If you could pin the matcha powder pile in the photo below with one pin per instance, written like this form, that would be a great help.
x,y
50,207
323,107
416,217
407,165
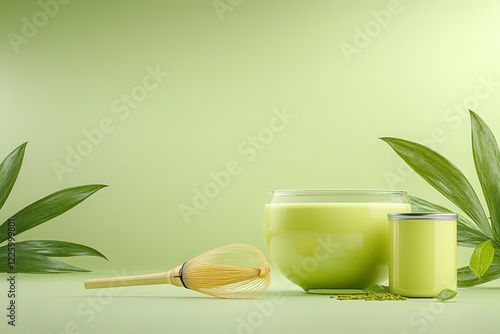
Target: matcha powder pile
x,y
375,296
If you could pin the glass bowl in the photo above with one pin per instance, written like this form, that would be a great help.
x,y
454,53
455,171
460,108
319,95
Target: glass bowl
x,y
329,241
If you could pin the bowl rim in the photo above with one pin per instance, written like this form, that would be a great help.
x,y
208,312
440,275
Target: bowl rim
x,y
315,192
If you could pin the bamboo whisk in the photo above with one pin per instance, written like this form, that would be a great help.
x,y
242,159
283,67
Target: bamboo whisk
x,y
232,271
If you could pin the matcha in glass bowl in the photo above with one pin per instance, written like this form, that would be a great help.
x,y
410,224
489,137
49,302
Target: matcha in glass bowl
x,y
331,241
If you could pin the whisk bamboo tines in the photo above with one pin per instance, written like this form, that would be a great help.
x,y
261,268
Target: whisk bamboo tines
x,y
232,271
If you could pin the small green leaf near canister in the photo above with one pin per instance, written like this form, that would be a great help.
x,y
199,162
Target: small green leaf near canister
x,y
446,294
481,258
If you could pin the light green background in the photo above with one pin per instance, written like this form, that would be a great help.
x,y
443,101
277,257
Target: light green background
x,y
225,79
413,78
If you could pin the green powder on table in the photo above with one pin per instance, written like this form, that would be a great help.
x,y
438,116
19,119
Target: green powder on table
x,y
371,297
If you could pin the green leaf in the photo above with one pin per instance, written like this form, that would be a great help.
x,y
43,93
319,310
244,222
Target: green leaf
x,y
9,169
36,264
468,234
467,278
446,294
48,207
53,248
481,258
377,289
444,177
487,161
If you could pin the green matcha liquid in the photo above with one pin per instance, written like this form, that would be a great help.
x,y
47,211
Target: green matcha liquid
x,y
330,245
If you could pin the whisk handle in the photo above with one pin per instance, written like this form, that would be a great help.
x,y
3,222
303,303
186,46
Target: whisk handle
x,y
169,277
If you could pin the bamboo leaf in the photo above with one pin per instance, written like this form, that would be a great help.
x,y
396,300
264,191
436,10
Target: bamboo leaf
x,y
36,264
48,207
9,170
446,294
53,248
487,161
444,177
468,234
482,258
377,289
467,278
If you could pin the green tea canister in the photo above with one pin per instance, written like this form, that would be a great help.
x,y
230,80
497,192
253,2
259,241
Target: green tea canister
x,y
422,253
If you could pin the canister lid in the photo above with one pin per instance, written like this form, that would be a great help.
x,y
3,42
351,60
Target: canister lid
x,y
422,216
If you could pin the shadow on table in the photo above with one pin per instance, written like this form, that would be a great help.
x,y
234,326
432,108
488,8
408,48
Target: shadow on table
x,y
267,295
